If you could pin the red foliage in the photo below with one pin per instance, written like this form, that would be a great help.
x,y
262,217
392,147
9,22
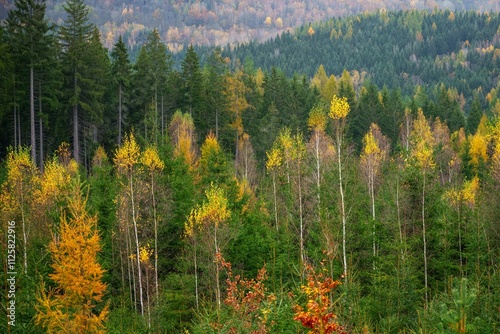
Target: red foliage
x,y
317,314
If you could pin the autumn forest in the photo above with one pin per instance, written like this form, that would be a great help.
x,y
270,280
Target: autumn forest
x,y
340,177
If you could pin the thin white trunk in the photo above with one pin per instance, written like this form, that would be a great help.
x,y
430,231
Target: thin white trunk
x,y
32,115
137,254
120,120
302,228
342,203
424,240
196,274
76,139
156,237
41,125
275,201
318,174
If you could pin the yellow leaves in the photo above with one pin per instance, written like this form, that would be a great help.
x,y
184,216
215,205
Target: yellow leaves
x,y
339,108
19,165
145,254
467,195
310,31
77,274
422,142
53,181
181,131
213,211
151,159
274,159
210,146
478,149
424,155
127,156
370,146
317,119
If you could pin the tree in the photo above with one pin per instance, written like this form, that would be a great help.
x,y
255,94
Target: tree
x,y
126,159
152,69
73,305
212,213
152,161
339,109
422,143
30,39
121,72
193,87
371,158
75,35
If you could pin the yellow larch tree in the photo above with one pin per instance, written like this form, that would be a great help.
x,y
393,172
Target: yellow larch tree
x,y
422,143
71,306
339,109
181,132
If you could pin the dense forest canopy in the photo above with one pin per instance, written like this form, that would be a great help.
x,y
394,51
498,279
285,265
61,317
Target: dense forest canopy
x,y
342,177
219,22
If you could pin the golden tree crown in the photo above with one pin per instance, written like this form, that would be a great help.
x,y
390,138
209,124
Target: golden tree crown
x,y
339,108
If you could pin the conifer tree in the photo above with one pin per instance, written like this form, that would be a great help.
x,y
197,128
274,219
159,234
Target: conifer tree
x,y
75,35
149,83
193,89
29,35
72,306
121,72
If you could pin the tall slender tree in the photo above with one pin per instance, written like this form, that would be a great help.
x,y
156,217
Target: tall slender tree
x,y
29,38
75,34
121,72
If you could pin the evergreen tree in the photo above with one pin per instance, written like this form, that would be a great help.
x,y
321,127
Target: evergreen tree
x,y
30,40
193,89
121,72
149,84
75,35
475,114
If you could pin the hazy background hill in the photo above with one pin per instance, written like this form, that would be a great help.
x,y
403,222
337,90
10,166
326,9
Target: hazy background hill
x,y
221,22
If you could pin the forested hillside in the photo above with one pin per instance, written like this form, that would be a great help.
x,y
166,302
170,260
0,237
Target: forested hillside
x,y
251,196
219,22
393,49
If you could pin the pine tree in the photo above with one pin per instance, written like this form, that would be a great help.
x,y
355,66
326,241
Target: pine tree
x,y
149,84
193,87
75,35
29,35
121,73
73,306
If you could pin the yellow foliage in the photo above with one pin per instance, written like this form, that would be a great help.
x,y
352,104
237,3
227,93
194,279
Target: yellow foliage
x,y
274,158
467,195
310,31
317,119
478,149
210,146
127,155
213,211
53,182
100,157
151,159
370,146
339,108
78,276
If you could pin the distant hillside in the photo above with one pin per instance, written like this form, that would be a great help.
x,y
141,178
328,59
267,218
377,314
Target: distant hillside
x,y
393,49
219,22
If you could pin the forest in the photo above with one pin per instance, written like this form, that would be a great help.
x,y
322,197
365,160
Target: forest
x,y
241,192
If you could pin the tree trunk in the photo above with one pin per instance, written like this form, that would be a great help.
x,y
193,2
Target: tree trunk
x,y
120,120
32,114
139,273
424,241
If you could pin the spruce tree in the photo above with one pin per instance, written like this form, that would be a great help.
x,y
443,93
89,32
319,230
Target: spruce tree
x,y
75,34
121,72
151,72
193,88
29,39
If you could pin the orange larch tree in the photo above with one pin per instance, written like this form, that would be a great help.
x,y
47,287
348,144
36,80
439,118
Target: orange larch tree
x,y
72,307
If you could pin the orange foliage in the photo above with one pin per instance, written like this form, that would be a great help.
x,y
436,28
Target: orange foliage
x,y
317,314
69,308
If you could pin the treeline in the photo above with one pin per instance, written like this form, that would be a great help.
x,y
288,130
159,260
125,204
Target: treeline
x,y
213,199
394,49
